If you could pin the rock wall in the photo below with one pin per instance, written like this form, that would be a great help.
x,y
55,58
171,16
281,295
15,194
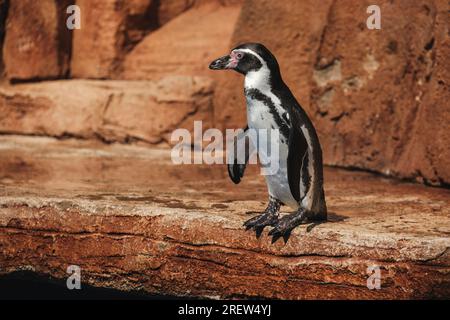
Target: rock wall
x,y
108,29
121,111
3,13
379,98
185,45
103,47
126,111
37,43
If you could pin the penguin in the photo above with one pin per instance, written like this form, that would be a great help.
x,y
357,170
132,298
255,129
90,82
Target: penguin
x,y
298,182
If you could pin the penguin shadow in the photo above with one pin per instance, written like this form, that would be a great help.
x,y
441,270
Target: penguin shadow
x,y
253,212
332,217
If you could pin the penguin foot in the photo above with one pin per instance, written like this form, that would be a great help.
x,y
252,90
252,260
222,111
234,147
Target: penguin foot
x,y
268,218
286,224
258,223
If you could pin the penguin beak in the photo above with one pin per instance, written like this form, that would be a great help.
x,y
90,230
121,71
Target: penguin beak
x,y
225,62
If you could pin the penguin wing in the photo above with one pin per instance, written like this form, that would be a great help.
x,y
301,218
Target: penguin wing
x,y
236,170
298,147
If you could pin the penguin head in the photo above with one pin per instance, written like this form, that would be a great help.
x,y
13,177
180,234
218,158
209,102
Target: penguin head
x,y
248,57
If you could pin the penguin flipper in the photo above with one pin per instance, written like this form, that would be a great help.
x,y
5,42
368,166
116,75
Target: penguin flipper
x,y
298,147
236,170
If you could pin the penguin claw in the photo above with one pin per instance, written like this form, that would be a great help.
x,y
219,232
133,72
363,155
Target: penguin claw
x,y
285,226
259,231
251,223
258,223
275,238
277,235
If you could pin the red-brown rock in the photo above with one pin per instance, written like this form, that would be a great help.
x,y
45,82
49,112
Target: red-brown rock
x,y
111,110
170,9
112,28
37,43
99,45
3,14
134,221
185,45
379,98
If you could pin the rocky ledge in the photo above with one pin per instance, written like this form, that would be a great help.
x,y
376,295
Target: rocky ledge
x,y
133,221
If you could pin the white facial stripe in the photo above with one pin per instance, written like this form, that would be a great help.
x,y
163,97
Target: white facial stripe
x,y
259,79
252,53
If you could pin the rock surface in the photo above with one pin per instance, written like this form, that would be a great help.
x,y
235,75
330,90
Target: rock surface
x,y
122,215
111,110
379,98
112,28
109,28
185,45
3,14
37,43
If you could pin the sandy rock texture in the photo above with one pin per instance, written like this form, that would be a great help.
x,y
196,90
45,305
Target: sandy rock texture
x,y
185,45
121,111
122,215
379,98
165,43
110,28
105,46
37,43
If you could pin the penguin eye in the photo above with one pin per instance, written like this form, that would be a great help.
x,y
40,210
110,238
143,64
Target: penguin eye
x,y
239,55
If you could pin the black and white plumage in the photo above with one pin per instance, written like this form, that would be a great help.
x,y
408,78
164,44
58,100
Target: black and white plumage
x,y
270,105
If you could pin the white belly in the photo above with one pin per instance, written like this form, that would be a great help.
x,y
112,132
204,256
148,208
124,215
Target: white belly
x,y
259,117
278,184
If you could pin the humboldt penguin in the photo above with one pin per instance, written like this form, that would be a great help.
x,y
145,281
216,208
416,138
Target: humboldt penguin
x,y
298,182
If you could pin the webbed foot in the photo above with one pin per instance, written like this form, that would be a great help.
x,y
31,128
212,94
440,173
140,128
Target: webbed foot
x,y
286,224
268,218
